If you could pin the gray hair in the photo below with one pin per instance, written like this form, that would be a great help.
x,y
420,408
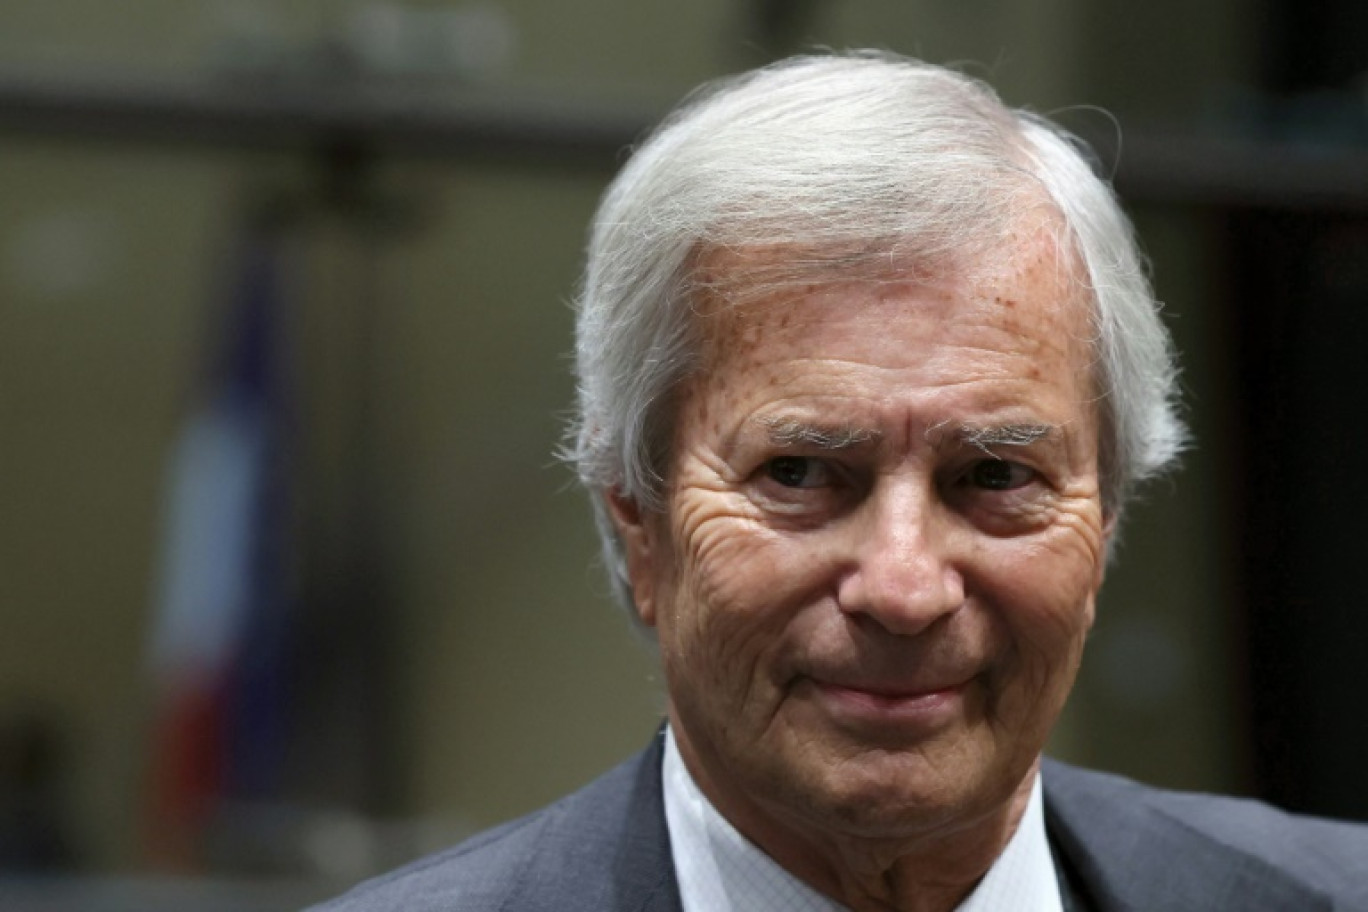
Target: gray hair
x,y
848,165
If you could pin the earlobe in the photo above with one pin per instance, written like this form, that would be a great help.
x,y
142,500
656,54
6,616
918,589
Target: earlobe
x,y
637,546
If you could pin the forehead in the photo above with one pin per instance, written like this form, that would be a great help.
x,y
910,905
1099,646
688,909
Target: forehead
x,y
1025,295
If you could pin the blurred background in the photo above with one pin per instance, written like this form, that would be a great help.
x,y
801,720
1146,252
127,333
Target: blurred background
x,y
292,586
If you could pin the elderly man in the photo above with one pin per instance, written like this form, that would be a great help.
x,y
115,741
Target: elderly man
x,y
868,369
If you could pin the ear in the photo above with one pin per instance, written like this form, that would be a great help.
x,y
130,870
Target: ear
x,y
638,549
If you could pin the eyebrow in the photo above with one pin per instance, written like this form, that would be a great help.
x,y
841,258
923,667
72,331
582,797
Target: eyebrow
x,y
985,437
787,432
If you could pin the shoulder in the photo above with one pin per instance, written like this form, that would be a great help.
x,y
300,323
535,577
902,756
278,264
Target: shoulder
x,y
606,839
1117,829
478,872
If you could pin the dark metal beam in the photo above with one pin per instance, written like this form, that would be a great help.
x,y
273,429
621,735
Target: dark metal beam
x,y
1181,167
1242,172
258,114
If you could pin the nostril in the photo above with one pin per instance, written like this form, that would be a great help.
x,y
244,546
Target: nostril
x,y
904,596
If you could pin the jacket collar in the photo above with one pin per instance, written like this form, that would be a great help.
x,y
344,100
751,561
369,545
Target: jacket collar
x,y
1124,847
606,848
1121,848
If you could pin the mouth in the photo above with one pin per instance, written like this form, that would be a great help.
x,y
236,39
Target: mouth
x,y
891,706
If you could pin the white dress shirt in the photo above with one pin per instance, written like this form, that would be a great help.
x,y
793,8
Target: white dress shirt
x,y
719,870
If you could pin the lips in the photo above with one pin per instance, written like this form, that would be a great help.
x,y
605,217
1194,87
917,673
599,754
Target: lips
x,y
890,691
886,705
894,681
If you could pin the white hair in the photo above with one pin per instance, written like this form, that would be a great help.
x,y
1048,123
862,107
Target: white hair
x,y
846,166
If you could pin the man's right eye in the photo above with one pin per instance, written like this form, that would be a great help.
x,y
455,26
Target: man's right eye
x,y
798,472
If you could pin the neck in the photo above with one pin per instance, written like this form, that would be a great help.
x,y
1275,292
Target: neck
x,y
931,870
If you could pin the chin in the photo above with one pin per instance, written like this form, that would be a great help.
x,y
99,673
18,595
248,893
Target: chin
x,y
891,820
892,799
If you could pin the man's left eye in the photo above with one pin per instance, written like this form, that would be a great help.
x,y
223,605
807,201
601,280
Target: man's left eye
x,y
1000,475
798,472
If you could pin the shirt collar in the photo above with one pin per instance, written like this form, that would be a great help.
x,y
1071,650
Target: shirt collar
x,y
719,870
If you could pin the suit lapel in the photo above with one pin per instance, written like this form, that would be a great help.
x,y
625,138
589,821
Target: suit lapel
x,y
1117,848
644,866
1122,854
1073,897
605,848
646,861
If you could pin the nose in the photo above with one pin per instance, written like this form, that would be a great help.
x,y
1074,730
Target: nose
x,y
902,575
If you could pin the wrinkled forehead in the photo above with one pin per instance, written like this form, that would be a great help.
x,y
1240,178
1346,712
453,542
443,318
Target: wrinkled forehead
x,y
1031,267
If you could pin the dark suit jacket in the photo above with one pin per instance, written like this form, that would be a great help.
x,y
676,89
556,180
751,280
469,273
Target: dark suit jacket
x,y
1121,846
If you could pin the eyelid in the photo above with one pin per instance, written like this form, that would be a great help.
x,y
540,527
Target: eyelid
x,y
804,504
1023,474
823,469
960,473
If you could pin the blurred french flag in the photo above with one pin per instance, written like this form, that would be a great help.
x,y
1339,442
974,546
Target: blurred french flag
x,y
225,614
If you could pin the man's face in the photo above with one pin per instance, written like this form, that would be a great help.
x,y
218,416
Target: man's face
x,y
882,540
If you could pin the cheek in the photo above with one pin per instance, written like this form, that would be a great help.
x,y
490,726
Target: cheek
x,y
1045,596
723,566
739,587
